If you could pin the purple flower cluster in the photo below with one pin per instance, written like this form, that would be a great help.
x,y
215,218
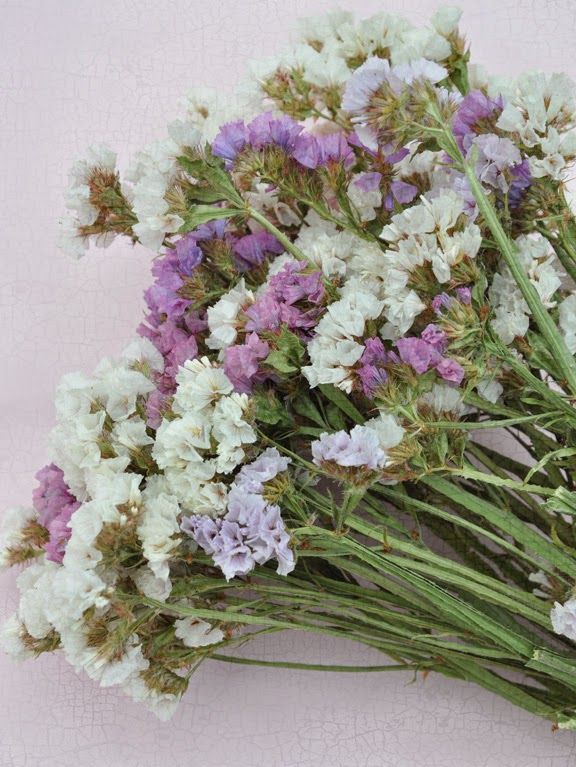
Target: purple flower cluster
x,y
252,249
359,448
241,363
444,301
292,297
252,531
500,164
54,504
474,108
371,367
265,130
426,352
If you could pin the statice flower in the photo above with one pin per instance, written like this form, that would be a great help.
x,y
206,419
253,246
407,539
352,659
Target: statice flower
x,y
291,297
567,321
230,141
241,362
358,448
252,530
266,130
511,312
371,367
358,456
563,617
253,249
475,109
54,504
314,151
540,111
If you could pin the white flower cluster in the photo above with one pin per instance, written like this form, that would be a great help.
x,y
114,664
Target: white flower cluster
x,y
100,423
436,232
540,110
82,213
223,316
207,437
511,312
334,349
152,171
97,441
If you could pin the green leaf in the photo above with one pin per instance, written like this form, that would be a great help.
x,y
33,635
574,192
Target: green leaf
x,y
269,409
342,401
211,169
201,214
287,357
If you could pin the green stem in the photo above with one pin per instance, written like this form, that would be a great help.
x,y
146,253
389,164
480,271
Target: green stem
x,y
547,326
280,236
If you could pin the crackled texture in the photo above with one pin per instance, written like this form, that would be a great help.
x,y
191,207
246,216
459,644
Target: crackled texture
x,y
76,72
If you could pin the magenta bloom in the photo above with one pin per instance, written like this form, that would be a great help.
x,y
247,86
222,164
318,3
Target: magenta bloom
x,y
435,336
241,362
54,504
421,356
292,298
450,370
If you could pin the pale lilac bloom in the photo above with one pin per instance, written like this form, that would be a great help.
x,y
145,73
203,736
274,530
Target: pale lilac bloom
x,y
363,83
496,156
251,533
399,192
358,448
473,108
253,476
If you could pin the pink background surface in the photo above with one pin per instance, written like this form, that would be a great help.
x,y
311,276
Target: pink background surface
x,y
74,72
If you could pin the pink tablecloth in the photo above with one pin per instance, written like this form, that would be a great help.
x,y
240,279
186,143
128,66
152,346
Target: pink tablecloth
x,y
77,71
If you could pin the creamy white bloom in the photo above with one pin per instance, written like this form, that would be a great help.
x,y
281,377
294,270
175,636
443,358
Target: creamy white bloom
x,y
12,632
567,321
443,399
200,385
540,110
563,617
223,316
511,312
159,532
389,431
13,522
445,20
194,632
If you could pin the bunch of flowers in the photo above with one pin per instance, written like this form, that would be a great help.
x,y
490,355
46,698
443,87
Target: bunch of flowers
x,y
366,260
